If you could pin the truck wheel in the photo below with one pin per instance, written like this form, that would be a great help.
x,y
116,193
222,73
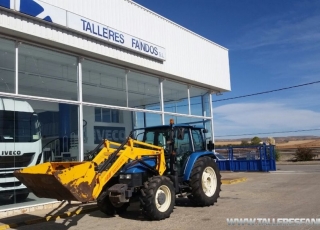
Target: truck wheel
x,y
22,197
109,208
205,182
157,198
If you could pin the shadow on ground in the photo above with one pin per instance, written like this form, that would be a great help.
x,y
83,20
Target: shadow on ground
x,y
21,221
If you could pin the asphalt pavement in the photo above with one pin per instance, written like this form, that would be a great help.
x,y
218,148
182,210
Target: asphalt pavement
x,y
290,192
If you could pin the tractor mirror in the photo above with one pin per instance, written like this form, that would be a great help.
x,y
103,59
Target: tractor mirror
x,y
205,131
210,146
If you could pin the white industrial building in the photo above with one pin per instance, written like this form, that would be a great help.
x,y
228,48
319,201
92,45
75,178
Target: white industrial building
x,y
96,69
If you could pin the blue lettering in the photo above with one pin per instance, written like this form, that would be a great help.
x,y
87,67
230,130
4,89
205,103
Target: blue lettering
x,y
151,49
155,51
99,31
93,29
105,32
88,27
141,45
114,136
137,45
121,38
146,48
117,37
111,34
83,24
133,43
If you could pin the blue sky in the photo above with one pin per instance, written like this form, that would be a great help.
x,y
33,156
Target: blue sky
x,y
272,44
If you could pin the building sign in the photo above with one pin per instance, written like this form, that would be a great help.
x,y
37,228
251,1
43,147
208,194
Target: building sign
x,y
50,13
116,134
38,9
6,4
114,36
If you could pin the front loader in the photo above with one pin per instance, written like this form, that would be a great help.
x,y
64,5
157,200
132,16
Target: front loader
x,y
154,164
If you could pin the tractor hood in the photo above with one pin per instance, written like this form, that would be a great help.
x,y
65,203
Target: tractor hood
x,y
136,167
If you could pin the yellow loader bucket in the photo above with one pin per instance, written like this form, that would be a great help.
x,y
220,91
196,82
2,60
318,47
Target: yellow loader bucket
x,y
60,180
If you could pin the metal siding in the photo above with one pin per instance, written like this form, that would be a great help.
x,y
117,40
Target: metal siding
x,y
188,56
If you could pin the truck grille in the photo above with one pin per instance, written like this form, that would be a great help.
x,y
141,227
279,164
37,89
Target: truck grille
x,y
16,161
6,175
10,184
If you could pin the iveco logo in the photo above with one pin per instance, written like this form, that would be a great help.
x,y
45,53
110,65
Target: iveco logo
x,y
11,153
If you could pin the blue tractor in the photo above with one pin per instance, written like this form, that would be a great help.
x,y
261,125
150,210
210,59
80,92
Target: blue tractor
x,y
191,172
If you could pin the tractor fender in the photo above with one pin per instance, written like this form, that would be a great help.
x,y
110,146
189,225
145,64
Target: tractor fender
x,y
191,161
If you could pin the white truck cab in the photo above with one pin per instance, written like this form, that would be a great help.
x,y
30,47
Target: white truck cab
x,y
20,145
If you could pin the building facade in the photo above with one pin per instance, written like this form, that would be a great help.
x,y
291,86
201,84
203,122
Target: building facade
x,y
75,72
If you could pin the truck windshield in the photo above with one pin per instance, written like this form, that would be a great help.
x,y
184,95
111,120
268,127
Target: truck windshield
x,y
19,127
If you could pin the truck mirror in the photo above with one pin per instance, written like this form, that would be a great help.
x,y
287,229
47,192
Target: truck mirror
x,y
210,146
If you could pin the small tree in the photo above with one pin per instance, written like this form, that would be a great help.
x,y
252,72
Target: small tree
x,y
277,154
255,141
303,154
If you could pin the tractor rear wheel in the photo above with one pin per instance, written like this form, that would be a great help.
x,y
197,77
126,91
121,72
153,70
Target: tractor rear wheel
x,y
109,208
205,182
158,198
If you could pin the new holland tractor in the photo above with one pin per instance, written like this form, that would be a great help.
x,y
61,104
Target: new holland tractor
x,y
154,165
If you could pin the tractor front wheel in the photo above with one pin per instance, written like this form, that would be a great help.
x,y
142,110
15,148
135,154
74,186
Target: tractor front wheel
x,y
158,198
205,182
109,208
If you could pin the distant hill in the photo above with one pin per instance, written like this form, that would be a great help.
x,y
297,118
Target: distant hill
x,y
281,142
278,139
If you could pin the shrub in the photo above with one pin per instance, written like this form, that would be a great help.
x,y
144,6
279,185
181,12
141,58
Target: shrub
x,y
277,154
303,154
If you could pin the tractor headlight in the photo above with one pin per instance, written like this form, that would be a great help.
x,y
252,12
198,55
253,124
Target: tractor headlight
x,y
125,176
128,176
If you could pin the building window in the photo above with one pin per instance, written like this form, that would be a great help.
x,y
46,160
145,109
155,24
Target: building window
x,y
107,115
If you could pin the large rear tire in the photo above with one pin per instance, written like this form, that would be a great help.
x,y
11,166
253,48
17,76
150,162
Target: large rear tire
x,y
205,182
158,198
109,208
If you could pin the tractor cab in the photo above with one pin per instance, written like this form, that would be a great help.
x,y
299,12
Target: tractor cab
x,y
179,142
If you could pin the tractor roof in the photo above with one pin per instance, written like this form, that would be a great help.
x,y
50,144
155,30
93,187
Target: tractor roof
x,y
175,126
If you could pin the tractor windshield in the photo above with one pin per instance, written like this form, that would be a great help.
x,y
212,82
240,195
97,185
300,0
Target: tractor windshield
x,y
152,136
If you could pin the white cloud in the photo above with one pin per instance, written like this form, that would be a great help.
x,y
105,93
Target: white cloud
x,y
281,30
243,118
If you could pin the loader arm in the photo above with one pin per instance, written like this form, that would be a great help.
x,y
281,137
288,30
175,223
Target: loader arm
x,y
84,181
130,152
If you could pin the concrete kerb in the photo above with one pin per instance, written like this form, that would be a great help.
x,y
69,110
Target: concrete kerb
x,y
79,210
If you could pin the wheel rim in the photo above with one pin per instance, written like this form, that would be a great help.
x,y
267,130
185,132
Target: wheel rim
x,y
163,198
209,181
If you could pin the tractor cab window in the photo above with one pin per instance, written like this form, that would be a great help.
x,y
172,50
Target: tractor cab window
x,y
149,138
197,140
182,144
153,137
183,148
